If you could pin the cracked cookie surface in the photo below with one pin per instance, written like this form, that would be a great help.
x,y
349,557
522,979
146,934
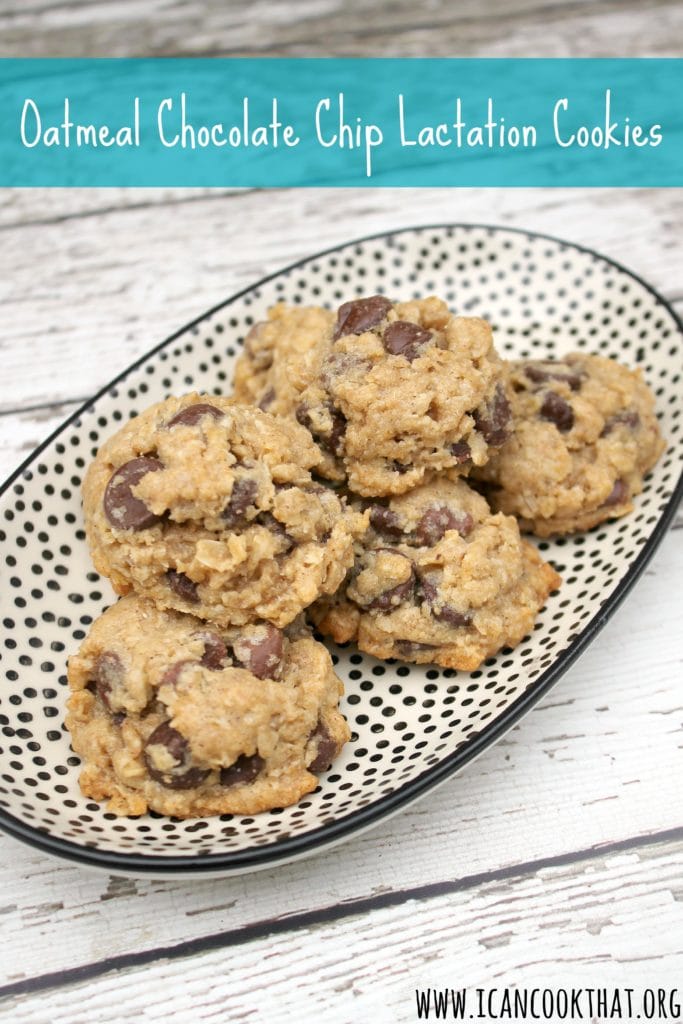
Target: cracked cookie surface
x,y
177,715
390,392
585,434
209,507
438,578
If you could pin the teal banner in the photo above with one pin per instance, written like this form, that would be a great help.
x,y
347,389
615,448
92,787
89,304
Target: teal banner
x,y
318,122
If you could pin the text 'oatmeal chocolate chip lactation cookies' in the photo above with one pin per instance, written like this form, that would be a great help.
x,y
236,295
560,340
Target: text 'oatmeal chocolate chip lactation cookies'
x,y
585,433
209,507
391,392
438,578
174,715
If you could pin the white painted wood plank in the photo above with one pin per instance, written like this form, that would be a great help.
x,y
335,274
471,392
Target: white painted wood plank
x,y
610,921
598,761
89,295
20,207
525,28
22,432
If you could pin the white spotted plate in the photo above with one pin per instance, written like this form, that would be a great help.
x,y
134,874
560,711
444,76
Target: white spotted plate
x,y
412,726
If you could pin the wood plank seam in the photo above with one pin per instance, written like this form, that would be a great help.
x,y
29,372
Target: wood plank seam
x,y
42,406
330,914
129,207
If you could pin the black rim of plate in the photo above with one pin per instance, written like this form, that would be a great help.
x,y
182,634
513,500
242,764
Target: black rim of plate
x,y
316,840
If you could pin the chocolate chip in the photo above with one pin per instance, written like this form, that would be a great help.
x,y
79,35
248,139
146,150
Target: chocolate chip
x,y
627,418
618,495
385,521
243,771
494,421
267,399
461,451
261,654
215,650
119,718
408,647
541,372
183,775
244,490
398,594
557,411
326,748
405,339
172,674
335,440
123,510
429,590
192,414
303,415
109,674
394,597
332,440
437,520
182,586
360,315
446,613
268,520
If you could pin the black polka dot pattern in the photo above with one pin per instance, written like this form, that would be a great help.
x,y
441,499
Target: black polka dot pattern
x,y
543,298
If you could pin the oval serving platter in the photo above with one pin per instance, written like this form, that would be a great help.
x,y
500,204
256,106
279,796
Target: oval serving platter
x,y
413,727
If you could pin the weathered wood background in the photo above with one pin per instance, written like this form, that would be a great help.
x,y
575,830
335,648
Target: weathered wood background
x,y
557,858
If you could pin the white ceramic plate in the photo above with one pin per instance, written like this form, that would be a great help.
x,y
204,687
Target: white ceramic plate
x,y
413,726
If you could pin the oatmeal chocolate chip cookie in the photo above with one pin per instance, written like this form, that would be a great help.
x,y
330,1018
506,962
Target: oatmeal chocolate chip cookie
x,y
585,434
281,358
180,716
209,507
390,392
438,578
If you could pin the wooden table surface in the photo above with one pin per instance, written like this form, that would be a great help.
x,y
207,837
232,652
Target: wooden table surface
x,y
554,860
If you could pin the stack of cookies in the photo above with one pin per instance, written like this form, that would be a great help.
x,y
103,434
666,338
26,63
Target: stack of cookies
x,y
370,474
202,691
412,409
